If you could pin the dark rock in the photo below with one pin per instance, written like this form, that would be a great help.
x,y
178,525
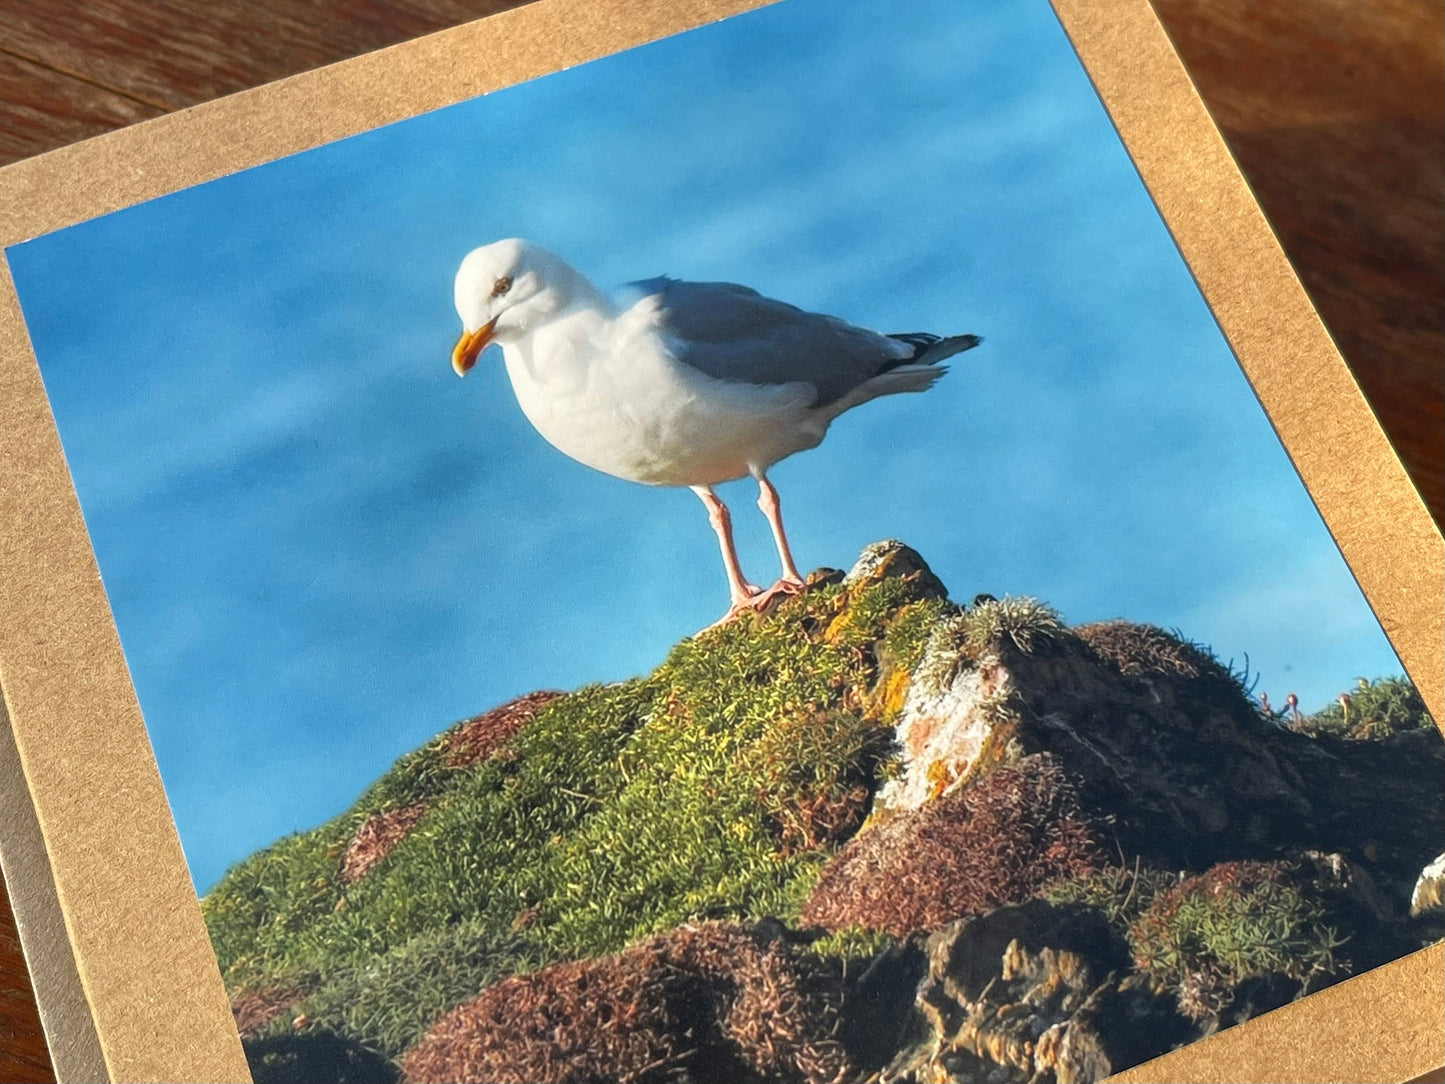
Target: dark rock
x,y
1162,740
1381,803
317,1057
1429,891
1033,993
878,1017
891,559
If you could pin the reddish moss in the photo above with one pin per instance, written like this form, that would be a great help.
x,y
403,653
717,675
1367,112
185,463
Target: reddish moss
x,y
376,837
715,1002
479,737
997,842
813,818
1135,650
254,1009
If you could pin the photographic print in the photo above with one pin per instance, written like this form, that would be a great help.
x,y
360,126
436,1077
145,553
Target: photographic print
x,y
853,621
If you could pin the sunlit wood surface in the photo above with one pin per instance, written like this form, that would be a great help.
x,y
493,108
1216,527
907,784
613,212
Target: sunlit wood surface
x,y
1334,109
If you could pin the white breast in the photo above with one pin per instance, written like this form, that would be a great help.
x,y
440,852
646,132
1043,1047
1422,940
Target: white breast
x,y
610,395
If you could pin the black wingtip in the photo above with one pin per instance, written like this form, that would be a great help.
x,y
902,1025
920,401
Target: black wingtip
x,y
931,349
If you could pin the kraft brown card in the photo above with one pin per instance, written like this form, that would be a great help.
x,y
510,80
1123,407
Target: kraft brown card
x,y
906,589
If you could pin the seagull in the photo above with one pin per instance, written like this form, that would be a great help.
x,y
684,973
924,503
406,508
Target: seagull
x,y
680,383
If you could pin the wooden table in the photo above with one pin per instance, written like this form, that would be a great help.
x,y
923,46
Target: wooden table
x,y
1333,108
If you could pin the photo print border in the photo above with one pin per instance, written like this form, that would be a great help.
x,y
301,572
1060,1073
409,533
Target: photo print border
x,y
123,970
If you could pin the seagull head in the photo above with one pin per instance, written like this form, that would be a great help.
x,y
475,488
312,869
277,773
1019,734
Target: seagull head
x,y
506,290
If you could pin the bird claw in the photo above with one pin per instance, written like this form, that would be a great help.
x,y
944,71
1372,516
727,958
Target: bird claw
x,y
741,604
787,587
758,600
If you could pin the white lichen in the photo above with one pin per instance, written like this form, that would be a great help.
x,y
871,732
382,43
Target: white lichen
x,y
1429,894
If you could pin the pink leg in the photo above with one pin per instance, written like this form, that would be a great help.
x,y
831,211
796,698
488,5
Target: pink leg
x,y
741,592
791,582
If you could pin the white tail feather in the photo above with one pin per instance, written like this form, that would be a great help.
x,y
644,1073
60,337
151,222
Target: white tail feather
x,y
905,378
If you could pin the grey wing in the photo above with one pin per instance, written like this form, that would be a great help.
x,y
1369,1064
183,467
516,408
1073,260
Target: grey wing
x,y
731,332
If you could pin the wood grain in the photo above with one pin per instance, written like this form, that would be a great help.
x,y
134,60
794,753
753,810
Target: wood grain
x,y
175,53
22,1044
1333,109
41,108
1335,112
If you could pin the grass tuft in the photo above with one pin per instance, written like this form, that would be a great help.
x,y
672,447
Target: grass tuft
x,y
1026,624
1372,710
1136,650
1119,893
1236,921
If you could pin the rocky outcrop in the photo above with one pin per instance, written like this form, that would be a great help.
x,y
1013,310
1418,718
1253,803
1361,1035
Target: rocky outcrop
x,y
993,848
1160,739
891,559
1033,993
1163,764
1124,966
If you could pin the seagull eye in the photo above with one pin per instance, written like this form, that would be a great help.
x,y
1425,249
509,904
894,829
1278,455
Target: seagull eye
x,y
501,286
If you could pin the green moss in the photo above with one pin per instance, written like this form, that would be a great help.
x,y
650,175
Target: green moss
x,y
1202,936
385,1001
1120,894
1236,921
1372,710
418,776
817,774
262,906
853,943
286,911
868,611
908,633
714,788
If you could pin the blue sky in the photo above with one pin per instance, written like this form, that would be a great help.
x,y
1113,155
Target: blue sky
x,y
321,547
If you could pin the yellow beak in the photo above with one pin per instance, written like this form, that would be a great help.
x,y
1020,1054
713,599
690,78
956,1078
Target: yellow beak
x,y
472,343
